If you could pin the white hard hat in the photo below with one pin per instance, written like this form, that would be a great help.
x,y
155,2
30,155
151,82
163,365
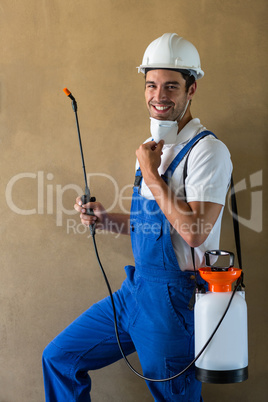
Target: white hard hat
x,y
171,51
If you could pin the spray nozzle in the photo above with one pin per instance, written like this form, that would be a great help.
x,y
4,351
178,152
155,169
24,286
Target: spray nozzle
x,y
68,93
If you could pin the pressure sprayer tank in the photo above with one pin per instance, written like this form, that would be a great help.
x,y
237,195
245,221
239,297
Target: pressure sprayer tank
x,y
225,360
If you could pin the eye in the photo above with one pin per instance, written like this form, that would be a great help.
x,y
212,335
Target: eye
x,y
172,87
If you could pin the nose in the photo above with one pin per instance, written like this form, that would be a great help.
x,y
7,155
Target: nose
x,y
160,94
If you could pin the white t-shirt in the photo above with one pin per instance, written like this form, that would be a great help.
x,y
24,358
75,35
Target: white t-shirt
x,y
208,178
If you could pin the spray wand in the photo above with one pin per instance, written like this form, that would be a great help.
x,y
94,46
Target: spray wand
x,y
86,197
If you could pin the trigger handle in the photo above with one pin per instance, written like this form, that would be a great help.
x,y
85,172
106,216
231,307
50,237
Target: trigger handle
x,y
85,199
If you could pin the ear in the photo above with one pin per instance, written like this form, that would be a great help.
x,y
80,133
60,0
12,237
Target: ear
x,y
192,91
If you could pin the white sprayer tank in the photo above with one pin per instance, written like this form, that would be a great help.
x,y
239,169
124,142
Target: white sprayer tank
x,y
225,360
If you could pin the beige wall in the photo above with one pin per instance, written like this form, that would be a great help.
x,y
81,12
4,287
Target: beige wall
x,y
48,272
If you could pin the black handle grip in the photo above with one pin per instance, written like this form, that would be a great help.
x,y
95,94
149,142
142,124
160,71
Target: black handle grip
x,y
219,253
85,199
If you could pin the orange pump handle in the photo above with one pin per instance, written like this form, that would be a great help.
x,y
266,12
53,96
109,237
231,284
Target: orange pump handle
x,y
220,281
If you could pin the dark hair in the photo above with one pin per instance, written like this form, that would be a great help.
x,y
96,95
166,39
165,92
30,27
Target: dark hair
x,y
190,80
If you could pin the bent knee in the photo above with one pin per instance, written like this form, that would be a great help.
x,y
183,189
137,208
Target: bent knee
x,y
52,352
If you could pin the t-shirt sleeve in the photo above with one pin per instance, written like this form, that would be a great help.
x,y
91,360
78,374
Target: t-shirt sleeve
x,y
208,172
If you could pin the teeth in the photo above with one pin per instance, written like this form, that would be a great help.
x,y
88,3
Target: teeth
x,y
161,107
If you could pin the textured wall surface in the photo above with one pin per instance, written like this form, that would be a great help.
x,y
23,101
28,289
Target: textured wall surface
x,y
48,270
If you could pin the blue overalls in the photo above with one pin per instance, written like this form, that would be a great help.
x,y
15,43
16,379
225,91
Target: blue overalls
x,y
153,317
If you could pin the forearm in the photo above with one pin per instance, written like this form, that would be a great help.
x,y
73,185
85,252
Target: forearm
x,y
177,211
193,221
112,222
118,223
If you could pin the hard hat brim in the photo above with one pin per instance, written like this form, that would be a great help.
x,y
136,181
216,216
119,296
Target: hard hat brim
x,y
199,73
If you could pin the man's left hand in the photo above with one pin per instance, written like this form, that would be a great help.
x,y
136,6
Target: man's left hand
x,y
149,157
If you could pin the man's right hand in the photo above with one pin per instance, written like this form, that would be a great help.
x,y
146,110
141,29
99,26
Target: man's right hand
x,y
100,215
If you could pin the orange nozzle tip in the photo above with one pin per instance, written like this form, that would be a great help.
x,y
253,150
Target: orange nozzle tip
x,y
66,91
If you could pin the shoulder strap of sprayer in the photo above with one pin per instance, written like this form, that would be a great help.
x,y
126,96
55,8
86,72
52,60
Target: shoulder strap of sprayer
x,y
234,215
236,229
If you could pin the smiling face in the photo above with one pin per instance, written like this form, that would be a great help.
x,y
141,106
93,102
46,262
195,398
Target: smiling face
x,y
165,94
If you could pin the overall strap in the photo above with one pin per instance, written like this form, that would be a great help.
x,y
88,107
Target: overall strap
x,y
186,162
170,170
138,179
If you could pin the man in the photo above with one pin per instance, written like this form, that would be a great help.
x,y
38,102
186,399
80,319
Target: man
x,y
173,210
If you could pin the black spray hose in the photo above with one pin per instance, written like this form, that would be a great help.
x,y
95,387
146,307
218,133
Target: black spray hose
x,y
117,334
